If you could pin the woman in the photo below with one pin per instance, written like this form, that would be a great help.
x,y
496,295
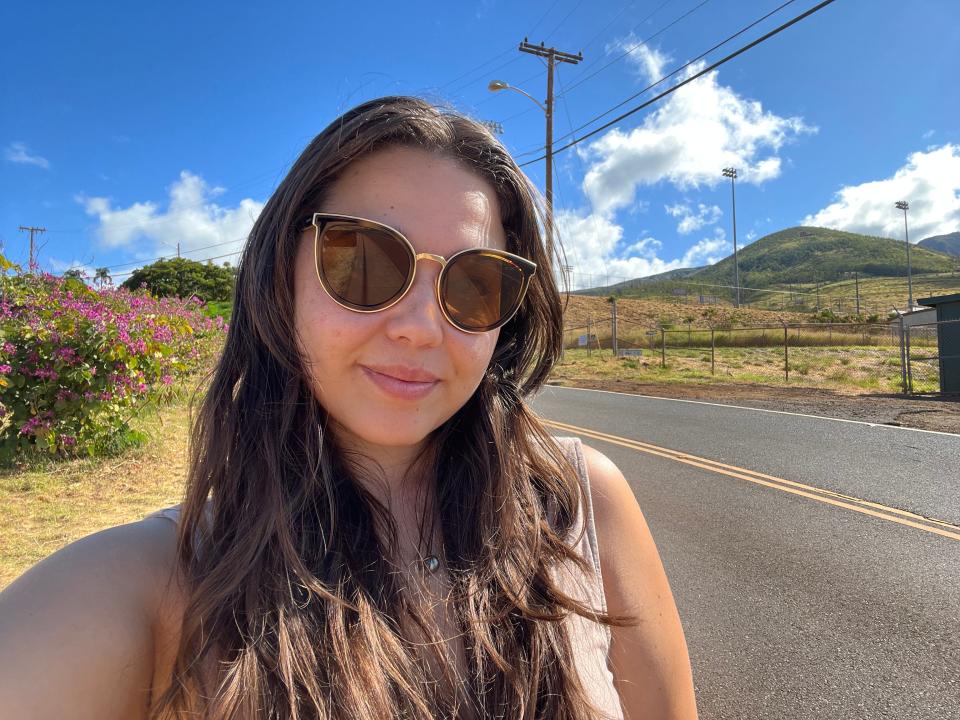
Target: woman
x,y
376,524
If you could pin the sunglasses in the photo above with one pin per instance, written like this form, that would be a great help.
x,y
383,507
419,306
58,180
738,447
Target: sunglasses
x,y
366,266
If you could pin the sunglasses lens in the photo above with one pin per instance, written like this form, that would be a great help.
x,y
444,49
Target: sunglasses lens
x,y
364,267
480,290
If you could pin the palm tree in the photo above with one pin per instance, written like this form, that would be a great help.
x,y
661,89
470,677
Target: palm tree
x,y
102,277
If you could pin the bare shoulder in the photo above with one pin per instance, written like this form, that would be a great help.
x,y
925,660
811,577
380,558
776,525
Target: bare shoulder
x,y
76,630
649,658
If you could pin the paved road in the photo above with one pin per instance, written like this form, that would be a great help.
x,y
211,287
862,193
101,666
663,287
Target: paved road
x,y
795,608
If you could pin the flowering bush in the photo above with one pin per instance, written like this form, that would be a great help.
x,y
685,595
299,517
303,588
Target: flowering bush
x,y
74,362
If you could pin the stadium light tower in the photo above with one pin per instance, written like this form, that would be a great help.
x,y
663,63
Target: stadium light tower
x,y
732,174
904,205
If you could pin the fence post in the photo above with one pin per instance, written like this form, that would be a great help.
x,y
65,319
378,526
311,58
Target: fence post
x,y
663,347
903,354
613,324
712,351
786,353
909,366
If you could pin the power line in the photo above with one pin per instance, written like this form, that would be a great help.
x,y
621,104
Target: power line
x,y
616,17
217,257
690,79
665,77
638,45
156,259
565,18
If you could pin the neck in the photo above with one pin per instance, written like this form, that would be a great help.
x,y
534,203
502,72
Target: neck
x,y
401,480
396,475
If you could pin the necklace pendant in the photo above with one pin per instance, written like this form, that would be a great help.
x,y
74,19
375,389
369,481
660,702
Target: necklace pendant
x,y
431,563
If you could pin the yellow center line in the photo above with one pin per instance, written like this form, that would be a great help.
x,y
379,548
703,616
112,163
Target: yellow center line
x,y
939,527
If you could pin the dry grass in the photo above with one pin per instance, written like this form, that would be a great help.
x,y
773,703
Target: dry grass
x,y
48,506
582,309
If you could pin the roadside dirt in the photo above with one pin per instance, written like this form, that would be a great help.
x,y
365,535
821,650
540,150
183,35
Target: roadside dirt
x,y
925,413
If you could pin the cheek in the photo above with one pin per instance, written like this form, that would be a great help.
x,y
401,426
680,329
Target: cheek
x,y
475,354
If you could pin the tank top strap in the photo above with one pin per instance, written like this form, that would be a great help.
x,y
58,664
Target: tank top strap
x,y
171,513
589,641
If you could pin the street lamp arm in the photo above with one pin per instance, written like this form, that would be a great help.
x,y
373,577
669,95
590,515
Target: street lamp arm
x,y
500,85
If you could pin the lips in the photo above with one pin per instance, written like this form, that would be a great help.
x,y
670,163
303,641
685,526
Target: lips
x,y
400,382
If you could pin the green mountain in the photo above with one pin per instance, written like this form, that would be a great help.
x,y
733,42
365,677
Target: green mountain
x,y
625,288
949,243
811,254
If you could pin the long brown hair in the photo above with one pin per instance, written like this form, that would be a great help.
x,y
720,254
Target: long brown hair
x,y
290,592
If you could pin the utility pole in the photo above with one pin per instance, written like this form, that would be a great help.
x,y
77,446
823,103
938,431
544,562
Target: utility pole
x,y
732,174
32,230
856,279
552,56
904,205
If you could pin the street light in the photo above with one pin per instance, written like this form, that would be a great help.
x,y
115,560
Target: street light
x,y
496,85
904,205
732,174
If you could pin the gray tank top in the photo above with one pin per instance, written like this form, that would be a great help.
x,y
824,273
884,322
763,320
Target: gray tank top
x,y
589,641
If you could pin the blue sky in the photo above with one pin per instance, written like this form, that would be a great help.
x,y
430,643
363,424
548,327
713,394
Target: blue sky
x,y
126,128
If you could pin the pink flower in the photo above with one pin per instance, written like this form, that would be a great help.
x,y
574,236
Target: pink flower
x,y
4,369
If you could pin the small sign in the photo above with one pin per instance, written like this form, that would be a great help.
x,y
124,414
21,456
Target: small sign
x,y
652,333
582,341
631,352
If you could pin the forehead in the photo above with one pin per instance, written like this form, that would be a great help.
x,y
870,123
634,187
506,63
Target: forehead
x,y
439,204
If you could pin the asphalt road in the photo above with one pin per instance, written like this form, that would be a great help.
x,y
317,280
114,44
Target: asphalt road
x,y
796,606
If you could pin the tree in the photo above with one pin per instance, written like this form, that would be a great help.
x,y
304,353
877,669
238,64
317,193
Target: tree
x,y
102,277
181,277
74,273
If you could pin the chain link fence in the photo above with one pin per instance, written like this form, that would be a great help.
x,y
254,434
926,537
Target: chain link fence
x,y
928,349
881,356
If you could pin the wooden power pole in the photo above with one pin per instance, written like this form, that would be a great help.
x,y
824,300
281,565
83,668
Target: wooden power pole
x,y
552,56
32,230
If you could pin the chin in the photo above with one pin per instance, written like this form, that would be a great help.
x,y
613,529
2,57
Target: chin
x,y
388,433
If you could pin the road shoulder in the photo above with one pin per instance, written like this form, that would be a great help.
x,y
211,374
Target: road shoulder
x,y
920,412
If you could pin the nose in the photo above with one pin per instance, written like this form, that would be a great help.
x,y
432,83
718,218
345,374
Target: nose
x,y
417,318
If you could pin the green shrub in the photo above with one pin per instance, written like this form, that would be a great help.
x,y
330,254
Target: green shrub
x,y
76,363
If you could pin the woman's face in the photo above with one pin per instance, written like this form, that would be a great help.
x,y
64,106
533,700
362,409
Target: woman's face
x,y
358,362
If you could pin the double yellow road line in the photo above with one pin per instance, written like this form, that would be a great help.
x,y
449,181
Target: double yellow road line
x,y
939,527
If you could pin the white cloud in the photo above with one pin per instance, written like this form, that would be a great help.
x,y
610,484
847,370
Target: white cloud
x,y
591,245
595,248
695,133
649,62
17,152
928,134
690,220
191,218
708,250
929,181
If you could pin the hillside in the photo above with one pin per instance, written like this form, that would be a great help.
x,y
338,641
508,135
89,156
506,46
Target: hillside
x,y
949,243
810,254
649,314
792,259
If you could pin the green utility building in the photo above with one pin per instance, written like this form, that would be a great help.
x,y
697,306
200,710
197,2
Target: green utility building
x,y
948,339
